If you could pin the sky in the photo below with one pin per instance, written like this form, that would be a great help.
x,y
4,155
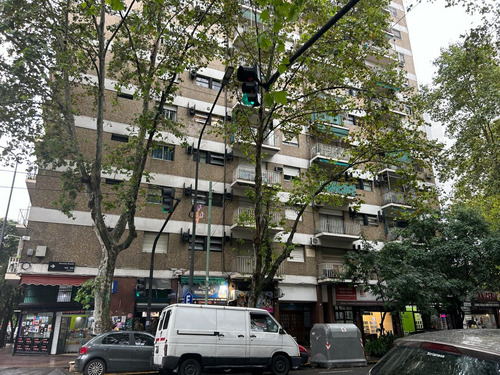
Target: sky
x,y
431,27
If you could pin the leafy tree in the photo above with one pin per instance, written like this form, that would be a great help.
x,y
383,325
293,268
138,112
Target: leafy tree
x,y
442,260
465,97
54,50
10,296
306,96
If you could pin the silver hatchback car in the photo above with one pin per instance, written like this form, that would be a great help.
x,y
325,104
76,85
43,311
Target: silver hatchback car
x,y
116,351
452,352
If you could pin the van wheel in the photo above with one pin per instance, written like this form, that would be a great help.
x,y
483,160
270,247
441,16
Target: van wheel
x,y
280,365
190,366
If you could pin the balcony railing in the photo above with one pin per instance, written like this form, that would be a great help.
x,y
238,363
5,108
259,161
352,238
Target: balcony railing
x,y
13,266
394,197
338,225
248,216
340,189
331,271
246,265
248,175
329,152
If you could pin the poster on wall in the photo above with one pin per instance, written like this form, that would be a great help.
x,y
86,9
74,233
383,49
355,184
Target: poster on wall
x,y
217,290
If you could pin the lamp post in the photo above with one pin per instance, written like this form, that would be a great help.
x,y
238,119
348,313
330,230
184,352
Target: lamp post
x,y
225,80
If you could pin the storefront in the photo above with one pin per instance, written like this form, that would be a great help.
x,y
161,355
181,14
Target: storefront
x,y
35,333
483,311
218,291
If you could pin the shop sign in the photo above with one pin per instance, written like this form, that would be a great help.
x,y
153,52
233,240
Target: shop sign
x,y
345,293
61,267
488,297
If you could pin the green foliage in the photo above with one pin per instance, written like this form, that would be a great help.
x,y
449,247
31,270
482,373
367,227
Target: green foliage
x,y
86,292
441,261
380,346
465,99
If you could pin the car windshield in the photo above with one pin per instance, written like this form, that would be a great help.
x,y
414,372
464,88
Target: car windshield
x,y
416,361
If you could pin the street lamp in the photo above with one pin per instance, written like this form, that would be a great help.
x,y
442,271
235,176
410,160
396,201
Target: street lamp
x,y
225,80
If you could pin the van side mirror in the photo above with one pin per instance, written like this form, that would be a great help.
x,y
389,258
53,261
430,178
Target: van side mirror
x,y
282,331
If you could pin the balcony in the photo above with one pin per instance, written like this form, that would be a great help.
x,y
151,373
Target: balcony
x,y
334,271
13,266
244,218
246,264
327,153
391,197
336,227
246,176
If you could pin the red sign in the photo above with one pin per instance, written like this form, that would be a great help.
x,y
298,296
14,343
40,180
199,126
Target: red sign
x,y
345,293
488,297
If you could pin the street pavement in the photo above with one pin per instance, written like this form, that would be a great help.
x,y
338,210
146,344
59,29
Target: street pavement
x,y
59,365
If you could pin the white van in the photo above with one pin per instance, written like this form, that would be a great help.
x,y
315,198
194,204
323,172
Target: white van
x,y
190,338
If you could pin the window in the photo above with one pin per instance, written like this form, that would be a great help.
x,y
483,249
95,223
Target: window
x,y
64,294
125,95
161,245
201,243
297,255
291,140
367,219
262,323
396,33
164,152
290,172
116,339
365,185
112,181
393,11
208,82
119,138
210,157
141,339
154,194
401,58
352,91
170,113
350,120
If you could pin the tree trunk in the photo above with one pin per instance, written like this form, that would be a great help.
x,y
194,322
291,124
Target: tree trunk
x,y
102,292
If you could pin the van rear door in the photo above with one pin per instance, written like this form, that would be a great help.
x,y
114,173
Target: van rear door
x,y
161,337
233,337
265,338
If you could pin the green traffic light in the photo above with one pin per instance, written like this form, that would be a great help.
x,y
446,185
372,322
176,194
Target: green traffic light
x,y
245,100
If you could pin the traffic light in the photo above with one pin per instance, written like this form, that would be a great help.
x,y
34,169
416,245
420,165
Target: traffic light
x,y
140,287
250,76
167,195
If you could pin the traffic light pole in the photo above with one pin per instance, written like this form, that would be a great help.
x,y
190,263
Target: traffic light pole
x,y
151,266
225,81
267,85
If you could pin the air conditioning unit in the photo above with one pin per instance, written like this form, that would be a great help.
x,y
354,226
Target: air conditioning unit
x,y
41,251
278,169
315,241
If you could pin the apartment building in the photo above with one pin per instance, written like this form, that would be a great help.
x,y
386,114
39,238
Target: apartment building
x,y
60,253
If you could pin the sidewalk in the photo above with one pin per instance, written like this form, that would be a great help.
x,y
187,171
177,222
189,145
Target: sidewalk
x,y
7,360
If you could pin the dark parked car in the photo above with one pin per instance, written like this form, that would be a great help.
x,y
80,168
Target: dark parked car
x,y
451,352
304,355
116,351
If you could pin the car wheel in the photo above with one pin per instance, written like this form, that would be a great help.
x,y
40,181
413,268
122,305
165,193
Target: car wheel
x,y
95,367
280,365
190,366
